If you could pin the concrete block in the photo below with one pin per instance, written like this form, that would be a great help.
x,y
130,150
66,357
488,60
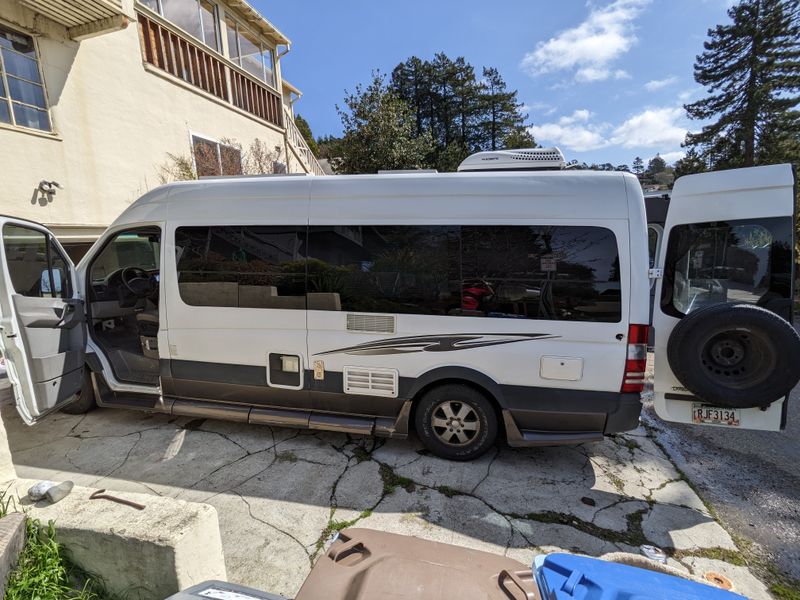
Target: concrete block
x,y
12,541
150,553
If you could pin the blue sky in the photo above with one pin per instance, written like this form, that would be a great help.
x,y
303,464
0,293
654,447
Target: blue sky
x,y
604,79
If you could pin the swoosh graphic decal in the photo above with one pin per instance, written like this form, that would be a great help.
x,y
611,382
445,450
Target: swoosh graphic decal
x,y
437,343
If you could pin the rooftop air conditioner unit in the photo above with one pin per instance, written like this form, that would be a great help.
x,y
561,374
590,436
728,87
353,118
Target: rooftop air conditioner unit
x,y
524,159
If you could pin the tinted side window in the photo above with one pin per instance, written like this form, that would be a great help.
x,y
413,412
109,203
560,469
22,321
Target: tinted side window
x,y
390,269
541,272
243,266
730,261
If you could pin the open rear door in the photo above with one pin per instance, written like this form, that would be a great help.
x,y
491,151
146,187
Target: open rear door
x,y
42,324
722,356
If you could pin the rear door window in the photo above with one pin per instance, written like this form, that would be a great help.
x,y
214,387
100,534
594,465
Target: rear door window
x,y
746,261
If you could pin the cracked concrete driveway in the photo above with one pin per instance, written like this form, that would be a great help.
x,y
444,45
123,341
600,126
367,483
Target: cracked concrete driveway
x,y
280,493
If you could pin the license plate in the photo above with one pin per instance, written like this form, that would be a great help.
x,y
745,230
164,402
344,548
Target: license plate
x,y
714,415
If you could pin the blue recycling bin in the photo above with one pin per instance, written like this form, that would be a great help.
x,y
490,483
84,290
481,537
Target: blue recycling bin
x,y
570,577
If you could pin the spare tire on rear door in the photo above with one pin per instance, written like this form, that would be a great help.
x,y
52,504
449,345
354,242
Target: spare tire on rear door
x,y
735,355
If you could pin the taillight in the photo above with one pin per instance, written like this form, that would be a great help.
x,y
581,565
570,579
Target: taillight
x,y
636,361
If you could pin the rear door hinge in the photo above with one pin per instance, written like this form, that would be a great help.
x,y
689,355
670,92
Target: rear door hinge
x,y
655,273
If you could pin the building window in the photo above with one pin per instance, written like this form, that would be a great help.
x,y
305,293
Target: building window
x,y
22,96
242,266
212,158
196,17
247,51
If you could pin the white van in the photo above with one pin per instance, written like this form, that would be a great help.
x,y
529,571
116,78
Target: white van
x,y
466,305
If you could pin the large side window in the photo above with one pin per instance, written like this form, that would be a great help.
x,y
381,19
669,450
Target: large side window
x,y
390,269
536,272
22,96
213,158
196,17
567,273
36,266
242,266
246,50
729,261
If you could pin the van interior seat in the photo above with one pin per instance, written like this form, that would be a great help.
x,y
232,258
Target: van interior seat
x,y
232,294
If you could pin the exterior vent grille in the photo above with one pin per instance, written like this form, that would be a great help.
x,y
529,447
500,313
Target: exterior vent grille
x,y
370,382
371,323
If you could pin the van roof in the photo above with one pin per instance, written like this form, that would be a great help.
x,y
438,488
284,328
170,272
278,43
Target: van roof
x,y
603,192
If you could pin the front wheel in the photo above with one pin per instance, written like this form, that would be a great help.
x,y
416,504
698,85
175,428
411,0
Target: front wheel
x,y
456,422
85,401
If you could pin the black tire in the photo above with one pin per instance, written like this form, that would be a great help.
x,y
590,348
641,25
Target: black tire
x,y
735,355
85,401
472,416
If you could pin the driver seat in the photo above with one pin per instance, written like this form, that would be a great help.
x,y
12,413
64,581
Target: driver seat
x,y
147,327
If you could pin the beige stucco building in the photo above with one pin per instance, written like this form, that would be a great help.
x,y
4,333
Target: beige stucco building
x,y
95,95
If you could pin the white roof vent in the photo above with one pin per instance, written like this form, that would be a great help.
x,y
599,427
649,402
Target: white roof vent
x,y
524,159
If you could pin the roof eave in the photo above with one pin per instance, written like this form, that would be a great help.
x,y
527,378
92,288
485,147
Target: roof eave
x,y
256,19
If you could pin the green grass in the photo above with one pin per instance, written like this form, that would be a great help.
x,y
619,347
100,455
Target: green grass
x,y
44,571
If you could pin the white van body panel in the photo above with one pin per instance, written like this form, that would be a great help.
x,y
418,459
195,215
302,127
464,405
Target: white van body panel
x,y
756,192
212,356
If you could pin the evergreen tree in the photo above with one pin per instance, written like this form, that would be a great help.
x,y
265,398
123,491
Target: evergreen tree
x,y
638,166
460,114
379,132
305,131
500,109
519,137
655,166
691,163
751,67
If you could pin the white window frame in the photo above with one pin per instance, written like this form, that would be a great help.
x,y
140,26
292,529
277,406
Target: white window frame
x,y
217,22
207,138
10,102
264,47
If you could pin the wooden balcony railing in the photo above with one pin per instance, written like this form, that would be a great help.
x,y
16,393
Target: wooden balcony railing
x,y
298,144
190,61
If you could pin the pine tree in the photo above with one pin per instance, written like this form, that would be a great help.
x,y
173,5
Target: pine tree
x,y
751,67
460,114
501,111
638,166
305,131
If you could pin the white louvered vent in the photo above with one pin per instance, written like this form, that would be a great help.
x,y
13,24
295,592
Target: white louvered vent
x,y
371,323
370,381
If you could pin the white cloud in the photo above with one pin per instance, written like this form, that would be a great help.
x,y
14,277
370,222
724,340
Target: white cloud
x,y
658,84
573,132
651,128
659,128
671,157
590,47
589,74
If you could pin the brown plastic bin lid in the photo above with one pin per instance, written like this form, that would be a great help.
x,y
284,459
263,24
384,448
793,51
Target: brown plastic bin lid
x,y
363,563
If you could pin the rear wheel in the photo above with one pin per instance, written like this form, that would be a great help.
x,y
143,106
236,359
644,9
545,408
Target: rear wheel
x,y
456,421
85,401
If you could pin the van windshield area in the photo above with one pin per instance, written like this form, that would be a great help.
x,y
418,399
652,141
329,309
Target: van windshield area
x,y
746,261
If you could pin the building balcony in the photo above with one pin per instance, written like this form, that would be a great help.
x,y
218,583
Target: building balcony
x,y
82,18
178,54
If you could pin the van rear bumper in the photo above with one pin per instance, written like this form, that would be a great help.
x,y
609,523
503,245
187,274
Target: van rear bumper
x,y
552,417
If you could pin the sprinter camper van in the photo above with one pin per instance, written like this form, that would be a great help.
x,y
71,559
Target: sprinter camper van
x,y
510,300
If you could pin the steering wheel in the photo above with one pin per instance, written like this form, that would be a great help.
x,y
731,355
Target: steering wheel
x,y
137,282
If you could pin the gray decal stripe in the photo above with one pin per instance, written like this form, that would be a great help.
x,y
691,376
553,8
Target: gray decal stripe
x,y
436,343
